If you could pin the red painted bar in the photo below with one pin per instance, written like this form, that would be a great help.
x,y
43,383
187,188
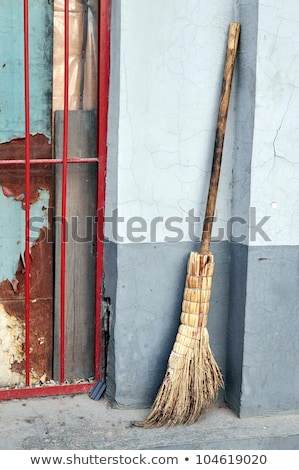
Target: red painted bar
x,y
63,192
27,192
103,91
45,391
49,161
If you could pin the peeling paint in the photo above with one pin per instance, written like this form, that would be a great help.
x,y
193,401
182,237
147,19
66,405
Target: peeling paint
x,y
12,194
11,349
12,246
12,333
12,229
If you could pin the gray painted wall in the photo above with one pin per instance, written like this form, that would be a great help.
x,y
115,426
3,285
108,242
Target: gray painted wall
x,y
146,288
270,378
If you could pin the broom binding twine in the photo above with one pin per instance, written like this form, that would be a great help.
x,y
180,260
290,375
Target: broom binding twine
x,y
192,377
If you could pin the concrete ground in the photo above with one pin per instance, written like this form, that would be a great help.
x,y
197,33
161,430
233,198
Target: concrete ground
x,y
78,422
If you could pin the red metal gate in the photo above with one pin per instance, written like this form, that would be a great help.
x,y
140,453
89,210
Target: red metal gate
x,y
27,162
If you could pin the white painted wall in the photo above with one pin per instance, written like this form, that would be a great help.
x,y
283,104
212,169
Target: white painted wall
x,y
171,57
171,64
275,161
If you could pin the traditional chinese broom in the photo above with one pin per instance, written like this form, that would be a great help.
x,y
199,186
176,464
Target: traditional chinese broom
x,y
193,377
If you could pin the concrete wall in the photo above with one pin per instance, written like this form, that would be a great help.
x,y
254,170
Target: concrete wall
x,y
165,88
167,79
167,62
263,373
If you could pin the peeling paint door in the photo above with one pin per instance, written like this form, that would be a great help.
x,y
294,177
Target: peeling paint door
x,y
39,271
14,196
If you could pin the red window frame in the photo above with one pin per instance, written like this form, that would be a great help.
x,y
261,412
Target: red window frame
x,y
101,159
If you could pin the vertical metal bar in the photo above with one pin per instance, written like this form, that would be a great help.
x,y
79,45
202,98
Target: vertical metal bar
x,y
27,192
103,90
83,52
64,192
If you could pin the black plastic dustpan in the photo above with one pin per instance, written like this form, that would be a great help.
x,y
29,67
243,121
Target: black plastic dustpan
x,y
97,390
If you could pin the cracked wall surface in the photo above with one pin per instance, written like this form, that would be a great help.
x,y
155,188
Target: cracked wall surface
x,y
275,169
166,76
262,369
167,60
169,87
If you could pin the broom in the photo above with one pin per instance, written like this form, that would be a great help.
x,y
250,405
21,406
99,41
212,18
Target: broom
x,y
193,377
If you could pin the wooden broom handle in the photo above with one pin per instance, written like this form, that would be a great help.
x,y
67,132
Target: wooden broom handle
x,y
231,52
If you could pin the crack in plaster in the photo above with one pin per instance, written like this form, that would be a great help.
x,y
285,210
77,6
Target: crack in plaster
x,y
275,154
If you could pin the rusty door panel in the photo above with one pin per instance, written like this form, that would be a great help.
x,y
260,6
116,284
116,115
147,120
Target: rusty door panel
x,y
27,169
12,294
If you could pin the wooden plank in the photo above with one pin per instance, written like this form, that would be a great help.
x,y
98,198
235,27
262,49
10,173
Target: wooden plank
x,y
80,253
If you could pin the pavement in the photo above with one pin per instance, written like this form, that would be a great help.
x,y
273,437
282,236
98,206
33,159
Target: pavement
x,y
78,422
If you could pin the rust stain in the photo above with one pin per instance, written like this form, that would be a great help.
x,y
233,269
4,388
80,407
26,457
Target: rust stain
x,y
12,177
19,368
12,296
12,348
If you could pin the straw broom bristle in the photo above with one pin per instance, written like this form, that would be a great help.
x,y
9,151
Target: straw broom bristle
x,y
193,377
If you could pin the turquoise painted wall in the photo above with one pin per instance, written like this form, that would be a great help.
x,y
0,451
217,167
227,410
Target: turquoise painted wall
x,y
12,123
12,120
